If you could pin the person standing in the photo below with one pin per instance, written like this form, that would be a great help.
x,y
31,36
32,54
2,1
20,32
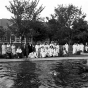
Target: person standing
x,y
27,49
74,48
57,48
3,49
13,47
86,48
9,51
37,48
81,47
30,48
24,50
66,47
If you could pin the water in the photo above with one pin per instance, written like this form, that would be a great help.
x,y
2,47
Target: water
x,y
44,74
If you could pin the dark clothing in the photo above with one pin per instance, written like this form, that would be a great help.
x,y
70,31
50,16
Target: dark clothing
x,y
30,47
23,50
26,49
19,55
9,55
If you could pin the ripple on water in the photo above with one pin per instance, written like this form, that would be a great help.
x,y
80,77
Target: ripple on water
x,y
40,74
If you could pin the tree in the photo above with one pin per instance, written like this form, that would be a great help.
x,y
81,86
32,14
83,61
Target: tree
x,y
32,16
64,18
80,30
24,12
2,31
17,9
40,31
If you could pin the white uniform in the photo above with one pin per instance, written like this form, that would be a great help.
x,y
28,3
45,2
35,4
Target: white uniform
x,y
43,53
78,47
46,51
66,47
32,55
82,47
74,48
37,47
57,48
3,49
55,52
18,50
86,47
51,51
13,47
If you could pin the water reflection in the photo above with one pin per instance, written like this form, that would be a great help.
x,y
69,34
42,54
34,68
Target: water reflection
x,y
43,74
6,78
68,74
26,76
18,75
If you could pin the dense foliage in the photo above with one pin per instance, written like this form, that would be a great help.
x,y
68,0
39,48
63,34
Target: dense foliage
x,y
25,14
67,24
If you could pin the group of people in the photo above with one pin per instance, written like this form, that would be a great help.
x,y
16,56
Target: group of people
x,y
48,50
13,51
80,48
55,50
41,50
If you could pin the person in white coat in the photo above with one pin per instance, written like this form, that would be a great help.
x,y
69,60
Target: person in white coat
x,y
57,48
3,49
9,51
37,48
13,47
78,47
32,55
86,48
43,53
66,47
51,51
81,47
74,48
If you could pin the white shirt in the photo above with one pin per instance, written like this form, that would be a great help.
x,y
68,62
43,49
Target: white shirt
x,y
66,47
13,47
19,50
3,49
37,47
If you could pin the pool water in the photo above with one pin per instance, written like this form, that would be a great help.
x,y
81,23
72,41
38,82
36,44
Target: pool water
x,y
44,74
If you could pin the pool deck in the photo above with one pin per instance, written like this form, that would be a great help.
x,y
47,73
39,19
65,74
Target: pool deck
x,y
44,59
58,58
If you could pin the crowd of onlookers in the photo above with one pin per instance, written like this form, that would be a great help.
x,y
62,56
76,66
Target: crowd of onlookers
x,y
41,50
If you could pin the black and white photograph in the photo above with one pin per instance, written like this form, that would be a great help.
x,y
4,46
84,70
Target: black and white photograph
x,y
43,43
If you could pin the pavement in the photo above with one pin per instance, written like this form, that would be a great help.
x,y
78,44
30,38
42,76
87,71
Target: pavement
x,y
58,58
45,59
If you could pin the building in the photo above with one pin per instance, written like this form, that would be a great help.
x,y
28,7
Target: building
x,y
11,39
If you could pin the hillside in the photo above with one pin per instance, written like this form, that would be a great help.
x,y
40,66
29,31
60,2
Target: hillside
x,y
4,22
